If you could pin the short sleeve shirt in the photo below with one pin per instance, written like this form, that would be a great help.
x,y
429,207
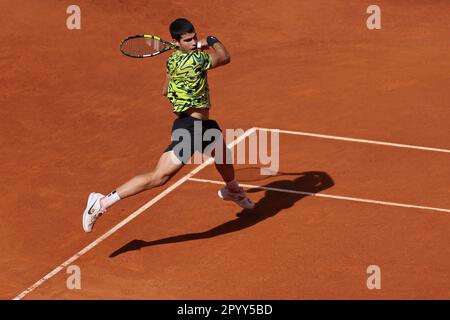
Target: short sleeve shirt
x,y
188,86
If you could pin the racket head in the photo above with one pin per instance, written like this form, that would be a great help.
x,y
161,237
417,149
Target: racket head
x,y
145,46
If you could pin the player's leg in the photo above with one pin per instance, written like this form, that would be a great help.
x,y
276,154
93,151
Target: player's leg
x,y
224,167
168,165
232,191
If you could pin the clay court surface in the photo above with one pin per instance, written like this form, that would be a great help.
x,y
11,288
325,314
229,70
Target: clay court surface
x,y
77,116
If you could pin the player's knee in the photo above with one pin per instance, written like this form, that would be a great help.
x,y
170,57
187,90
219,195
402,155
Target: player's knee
x,y
162,180
156,180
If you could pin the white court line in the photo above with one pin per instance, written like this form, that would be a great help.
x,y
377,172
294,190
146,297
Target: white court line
x,y
128,219
323,195
324,136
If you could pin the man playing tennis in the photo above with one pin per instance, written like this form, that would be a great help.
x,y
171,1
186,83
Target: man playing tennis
x,y
186,87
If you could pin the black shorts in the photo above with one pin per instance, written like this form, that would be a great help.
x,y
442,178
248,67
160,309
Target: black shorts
x,y
192,129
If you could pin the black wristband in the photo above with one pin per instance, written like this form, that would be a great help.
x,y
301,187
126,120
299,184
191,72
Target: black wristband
x,y
211,40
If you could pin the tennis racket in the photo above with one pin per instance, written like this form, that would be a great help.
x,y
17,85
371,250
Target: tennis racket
x,y
145,46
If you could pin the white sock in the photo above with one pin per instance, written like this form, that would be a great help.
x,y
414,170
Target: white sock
x,y
110,199
233,185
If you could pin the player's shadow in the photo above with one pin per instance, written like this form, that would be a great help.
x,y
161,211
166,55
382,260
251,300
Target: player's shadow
x,y
272,203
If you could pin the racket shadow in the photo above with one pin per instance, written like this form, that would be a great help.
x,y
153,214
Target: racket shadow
x,y
268,206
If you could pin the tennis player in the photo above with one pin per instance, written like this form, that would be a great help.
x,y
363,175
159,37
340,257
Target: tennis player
x,y
186,87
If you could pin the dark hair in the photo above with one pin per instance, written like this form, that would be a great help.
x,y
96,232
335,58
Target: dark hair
x,y
179,27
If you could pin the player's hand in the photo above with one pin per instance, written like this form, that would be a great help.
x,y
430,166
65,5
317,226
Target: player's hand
x,y
202,44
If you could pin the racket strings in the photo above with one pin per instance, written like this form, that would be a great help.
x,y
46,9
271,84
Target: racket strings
x,y
143,46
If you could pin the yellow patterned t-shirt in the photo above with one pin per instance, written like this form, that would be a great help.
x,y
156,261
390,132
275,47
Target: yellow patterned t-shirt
x,y
188,86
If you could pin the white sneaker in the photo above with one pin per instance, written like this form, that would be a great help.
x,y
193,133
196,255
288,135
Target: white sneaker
x,y
93,211
240,197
